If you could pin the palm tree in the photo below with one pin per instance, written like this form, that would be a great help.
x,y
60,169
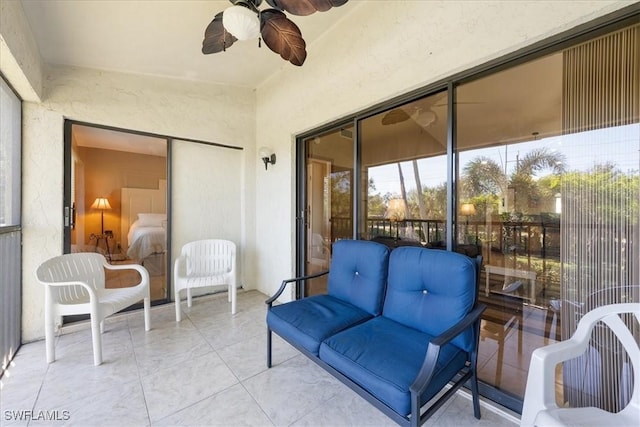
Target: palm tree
x,y
486,182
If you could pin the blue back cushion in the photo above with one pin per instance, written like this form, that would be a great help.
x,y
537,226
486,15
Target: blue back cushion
x,y
358,273
430,290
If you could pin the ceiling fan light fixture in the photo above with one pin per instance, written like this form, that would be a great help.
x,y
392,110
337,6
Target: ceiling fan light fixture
x,y
425,118
241,22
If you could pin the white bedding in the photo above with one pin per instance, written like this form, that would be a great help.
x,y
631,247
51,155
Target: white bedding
x,y
145,241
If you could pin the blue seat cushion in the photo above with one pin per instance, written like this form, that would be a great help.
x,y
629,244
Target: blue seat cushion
x,y
384,357
309,321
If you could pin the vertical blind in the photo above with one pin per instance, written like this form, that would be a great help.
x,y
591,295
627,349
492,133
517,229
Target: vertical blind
x,y
601,82
600,234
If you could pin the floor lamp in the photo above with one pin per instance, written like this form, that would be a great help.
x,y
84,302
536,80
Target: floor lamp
x,y
467,209
395,213
103,204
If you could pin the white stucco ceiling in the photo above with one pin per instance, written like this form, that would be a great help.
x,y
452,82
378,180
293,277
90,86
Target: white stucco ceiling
x,y
164,38
158,37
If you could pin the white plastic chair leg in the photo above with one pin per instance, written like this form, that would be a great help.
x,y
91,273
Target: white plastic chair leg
x,y
232,296
49,333
97,341
177,303
189,301
147,313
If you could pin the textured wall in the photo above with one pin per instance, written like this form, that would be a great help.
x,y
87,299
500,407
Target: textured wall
x,y
20,60
168,107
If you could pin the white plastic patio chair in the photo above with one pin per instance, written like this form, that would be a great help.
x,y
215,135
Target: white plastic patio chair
x,y
204,263
75,284
540,407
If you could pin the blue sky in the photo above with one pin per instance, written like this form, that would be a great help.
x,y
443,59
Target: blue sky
x,y
619,145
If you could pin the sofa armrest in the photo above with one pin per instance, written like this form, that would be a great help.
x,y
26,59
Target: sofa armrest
x,y
284,284
433,351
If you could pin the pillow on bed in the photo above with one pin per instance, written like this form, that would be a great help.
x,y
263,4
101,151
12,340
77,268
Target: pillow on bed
x,y
151,219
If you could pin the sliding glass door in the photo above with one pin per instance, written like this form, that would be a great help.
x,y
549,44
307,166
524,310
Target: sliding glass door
x,y
536,168
116,201
549,191
327,214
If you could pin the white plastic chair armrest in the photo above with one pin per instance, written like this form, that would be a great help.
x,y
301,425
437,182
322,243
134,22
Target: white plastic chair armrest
x,y
92,292
180,267
540,390
144,273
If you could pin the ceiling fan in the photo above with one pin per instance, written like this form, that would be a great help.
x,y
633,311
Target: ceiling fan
x,y
423,115
244,20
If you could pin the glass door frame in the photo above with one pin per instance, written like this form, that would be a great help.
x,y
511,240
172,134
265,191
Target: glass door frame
x,y
301,214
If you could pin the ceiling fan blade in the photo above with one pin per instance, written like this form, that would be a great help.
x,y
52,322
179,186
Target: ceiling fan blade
x,y
283,36
414,110
216,38
305,7
397,115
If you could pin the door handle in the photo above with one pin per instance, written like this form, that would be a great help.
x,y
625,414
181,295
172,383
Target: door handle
x,y
70,216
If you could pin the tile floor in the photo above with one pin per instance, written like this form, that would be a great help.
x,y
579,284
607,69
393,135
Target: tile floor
x,y
208,369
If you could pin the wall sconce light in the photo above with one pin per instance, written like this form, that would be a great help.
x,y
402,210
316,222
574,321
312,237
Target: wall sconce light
x,y
268,156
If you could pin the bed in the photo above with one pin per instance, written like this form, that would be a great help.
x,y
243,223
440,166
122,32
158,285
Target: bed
x,y
144,221
147,237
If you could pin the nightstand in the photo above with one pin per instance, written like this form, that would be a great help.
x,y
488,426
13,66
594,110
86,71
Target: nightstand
x,y
106,236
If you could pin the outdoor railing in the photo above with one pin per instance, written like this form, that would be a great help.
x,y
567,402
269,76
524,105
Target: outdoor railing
x,y
528,238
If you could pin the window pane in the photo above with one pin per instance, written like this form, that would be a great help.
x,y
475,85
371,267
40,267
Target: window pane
x,y
404,173
549,191
10,143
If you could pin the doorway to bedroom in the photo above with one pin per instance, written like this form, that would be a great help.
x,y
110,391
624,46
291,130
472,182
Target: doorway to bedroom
x,y
116,201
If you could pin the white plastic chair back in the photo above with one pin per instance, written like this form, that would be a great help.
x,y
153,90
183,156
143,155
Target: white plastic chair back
x,y
75,284
82,267
205,263
540,408
209,257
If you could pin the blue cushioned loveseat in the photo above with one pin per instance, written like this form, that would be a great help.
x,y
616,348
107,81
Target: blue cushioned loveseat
x,y
395,327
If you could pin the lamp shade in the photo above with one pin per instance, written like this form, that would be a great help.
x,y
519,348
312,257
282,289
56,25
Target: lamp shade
x,y
265,152
101,203
425,118
241,22
396,210
467,209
